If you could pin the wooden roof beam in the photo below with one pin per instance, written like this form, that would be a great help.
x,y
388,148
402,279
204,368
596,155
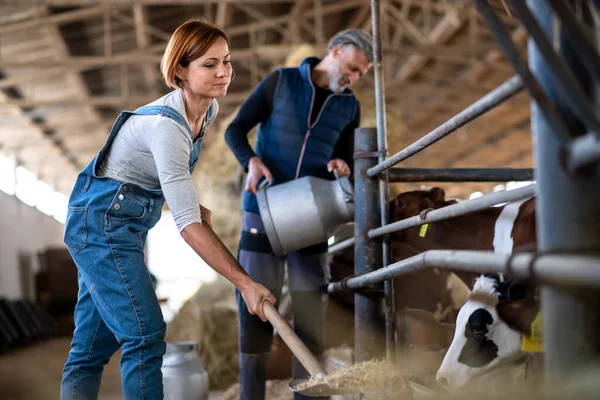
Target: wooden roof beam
x,y
285,19
292,34
142,37
153,53
103,101
258,16
54,20
443,31
472,75
435,6
224,13
129,3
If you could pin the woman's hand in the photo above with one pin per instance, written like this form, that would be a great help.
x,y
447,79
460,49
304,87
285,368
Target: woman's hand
x,y
254,295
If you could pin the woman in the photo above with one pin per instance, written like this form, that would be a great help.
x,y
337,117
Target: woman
x,y
148,158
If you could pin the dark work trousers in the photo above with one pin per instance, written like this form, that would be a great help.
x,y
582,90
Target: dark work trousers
x,y
308,272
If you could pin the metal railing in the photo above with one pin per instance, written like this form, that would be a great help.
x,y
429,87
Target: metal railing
x,y
550,269
569,150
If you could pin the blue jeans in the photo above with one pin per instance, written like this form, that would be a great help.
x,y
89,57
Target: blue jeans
x,y
117,305
106,229
307,275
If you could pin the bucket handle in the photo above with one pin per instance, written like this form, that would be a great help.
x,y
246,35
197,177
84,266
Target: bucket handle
x,y
348,196
263,184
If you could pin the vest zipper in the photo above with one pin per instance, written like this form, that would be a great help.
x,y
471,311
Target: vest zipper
x,y
302,153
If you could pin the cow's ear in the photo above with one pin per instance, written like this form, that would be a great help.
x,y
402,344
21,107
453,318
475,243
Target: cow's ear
x,y
437,195
397,202
518,314
426,204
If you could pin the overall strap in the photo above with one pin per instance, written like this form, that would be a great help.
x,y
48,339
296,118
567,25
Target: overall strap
x,y
165,111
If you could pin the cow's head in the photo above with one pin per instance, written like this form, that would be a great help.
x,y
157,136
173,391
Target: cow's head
x,y
488,330
409,204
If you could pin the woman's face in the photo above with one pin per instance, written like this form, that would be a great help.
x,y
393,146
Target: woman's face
x,y
210,74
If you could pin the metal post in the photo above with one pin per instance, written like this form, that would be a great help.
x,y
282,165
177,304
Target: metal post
x,y
567,215
367,253
390,326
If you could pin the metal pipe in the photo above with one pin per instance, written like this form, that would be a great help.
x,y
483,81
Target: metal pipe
x,y
367,253
585,151
455,210
567,219
460,174
451,211
569,88
343,245
512,54
480,107
383,181
581,40
549,268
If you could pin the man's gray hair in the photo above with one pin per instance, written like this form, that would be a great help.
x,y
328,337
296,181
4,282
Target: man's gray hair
x,y
358,38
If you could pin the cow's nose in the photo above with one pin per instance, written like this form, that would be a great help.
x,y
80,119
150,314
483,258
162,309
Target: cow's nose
x,y
442,380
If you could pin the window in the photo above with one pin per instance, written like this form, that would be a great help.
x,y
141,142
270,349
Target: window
x,y
7,175
59,207
26,186
44,198
30,190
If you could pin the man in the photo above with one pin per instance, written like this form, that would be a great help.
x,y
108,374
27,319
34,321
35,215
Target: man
x,y
307,117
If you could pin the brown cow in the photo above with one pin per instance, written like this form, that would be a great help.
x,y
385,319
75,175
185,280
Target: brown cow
x,y
501,229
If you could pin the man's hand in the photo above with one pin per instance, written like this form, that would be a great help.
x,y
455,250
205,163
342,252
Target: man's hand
x,y
205,214
254,295
256,170
339,165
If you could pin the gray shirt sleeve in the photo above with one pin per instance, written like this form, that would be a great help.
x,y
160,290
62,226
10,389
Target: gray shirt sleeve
x,y
171,146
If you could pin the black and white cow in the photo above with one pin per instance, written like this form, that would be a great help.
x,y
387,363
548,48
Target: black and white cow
x,y
489,330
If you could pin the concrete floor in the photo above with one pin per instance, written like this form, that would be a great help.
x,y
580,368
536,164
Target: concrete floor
x,y
34,373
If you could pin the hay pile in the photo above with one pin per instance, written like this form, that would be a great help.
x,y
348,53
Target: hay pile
x,y
210,319
363,377
275,390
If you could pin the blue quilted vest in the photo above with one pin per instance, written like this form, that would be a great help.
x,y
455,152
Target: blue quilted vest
x,y
287,143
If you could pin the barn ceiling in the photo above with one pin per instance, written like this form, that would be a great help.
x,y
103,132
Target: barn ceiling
x,y
68,67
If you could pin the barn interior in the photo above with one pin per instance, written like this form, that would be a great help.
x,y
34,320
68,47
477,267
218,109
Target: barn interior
x,y
69,67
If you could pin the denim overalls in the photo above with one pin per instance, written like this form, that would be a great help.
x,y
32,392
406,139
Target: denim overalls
x,y
105,231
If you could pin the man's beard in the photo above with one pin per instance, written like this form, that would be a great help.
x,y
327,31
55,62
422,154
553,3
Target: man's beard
x,y
335,83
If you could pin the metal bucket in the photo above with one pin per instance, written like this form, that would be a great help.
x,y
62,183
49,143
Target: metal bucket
x,y
304,212
184,376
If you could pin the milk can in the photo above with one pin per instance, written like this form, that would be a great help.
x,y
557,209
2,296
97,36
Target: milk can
x,y
184,376
304,212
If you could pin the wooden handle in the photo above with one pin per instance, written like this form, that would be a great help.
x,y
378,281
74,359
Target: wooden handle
x,y
292,340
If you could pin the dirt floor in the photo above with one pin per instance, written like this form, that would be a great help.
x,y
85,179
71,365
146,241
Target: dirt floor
x,y
34,373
